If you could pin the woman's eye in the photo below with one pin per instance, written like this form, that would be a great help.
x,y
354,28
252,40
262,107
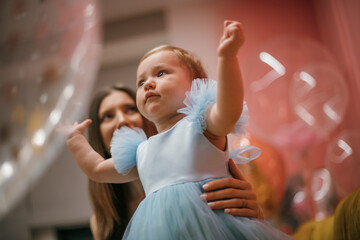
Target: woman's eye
x,y
106,117
131,110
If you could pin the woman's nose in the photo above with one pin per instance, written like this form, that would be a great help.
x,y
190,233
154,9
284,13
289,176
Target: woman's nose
x,y
122,120
150,84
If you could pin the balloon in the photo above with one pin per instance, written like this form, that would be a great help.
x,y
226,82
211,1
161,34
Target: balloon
x,y
48,63
297,202
267,173
322,193
343,162
319,96
267,75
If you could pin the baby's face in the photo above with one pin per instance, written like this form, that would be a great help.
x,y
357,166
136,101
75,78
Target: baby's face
x,y
161,85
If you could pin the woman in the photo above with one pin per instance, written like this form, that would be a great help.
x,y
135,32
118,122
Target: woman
x,y
114,204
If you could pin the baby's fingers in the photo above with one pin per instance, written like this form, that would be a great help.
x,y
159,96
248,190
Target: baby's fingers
x,y
82,126
232,39
77,128
236,32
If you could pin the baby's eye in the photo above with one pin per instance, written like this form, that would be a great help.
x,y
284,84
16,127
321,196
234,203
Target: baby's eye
x,y
140,83
161,73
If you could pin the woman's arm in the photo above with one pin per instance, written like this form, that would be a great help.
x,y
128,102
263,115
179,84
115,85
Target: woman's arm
x,y
234,195
92,163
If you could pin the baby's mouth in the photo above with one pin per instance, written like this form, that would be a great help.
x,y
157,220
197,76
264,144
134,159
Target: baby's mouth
x,y
150,96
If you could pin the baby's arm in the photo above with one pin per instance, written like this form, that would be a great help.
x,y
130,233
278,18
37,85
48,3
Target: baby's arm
x,y
93,164
223,115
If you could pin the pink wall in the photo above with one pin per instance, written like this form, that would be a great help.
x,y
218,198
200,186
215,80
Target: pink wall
x,y
333,24
198,27
339,24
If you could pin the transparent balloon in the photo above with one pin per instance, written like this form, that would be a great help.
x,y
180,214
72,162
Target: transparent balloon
x,y
298,198
319,96
322,193
343,162
268,74
48,63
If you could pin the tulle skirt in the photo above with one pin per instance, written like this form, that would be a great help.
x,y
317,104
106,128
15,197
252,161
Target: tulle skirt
x,y
178,212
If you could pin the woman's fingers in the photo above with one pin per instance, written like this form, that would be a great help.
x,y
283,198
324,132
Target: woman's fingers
x,y
228,193
234,195
235,171
227,183
243,212
238,207
234,203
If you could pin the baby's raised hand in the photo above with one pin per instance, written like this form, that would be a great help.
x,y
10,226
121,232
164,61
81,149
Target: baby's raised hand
x,y
75,129
232,39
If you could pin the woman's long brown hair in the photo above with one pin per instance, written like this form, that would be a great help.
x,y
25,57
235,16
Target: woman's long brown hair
x,y
110,202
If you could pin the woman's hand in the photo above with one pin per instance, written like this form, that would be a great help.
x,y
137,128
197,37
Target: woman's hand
x,y
234,195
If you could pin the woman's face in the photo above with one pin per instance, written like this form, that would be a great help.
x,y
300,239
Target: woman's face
x,y
116,110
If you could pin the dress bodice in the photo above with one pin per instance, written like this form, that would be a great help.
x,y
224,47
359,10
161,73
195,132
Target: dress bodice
x,y
173,166
181,154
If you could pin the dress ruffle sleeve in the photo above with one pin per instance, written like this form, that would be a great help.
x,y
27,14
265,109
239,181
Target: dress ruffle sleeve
x,y
198,100
123,148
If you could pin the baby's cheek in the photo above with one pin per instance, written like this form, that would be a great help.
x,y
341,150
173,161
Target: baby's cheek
x,y
141,109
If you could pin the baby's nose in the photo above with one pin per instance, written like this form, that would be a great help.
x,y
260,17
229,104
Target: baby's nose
x,y
150,84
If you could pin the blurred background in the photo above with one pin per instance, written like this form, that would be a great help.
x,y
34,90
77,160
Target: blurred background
x,y
300,65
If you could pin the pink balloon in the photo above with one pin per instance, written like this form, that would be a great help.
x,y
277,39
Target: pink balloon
x,y
268,74
319,96
343,162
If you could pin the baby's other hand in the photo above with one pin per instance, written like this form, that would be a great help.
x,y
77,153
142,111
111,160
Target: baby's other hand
x,y
232,39
75,129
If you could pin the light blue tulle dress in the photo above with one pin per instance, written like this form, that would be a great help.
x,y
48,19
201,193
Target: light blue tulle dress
x,y
173,166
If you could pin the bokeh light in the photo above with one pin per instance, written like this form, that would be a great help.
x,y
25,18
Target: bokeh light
x,y
343,162
268,74
320,97
49,54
